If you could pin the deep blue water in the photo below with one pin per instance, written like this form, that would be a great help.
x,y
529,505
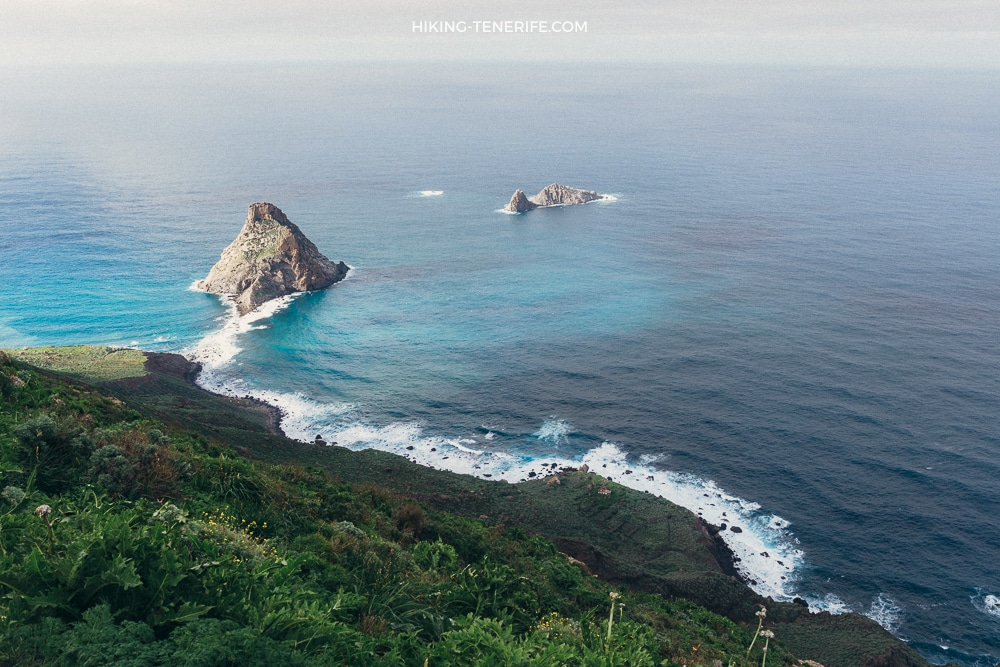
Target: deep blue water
x,y
792,307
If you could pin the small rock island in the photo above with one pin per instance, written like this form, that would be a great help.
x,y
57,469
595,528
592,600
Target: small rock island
x,y
551,195
270,258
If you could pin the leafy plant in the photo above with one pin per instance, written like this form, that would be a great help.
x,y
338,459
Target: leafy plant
x,y
54,452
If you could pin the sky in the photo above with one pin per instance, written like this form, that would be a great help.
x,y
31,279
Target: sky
x,y
880,33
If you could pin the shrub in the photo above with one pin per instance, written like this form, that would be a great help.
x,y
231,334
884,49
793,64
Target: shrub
x,y
112,471
437,556
233,480
133,464
56,453
410,518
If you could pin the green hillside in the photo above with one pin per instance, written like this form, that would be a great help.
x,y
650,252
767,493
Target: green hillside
x,y
144,521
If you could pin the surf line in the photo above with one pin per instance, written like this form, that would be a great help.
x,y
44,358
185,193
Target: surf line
x,y
767,554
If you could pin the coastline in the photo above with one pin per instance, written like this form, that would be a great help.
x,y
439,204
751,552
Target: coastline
x,y
626,537
179,366
765,557
724,554
178,388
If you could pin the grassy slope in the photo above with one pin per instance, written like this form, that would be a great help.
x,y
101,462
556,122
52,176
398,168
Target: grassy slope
x,y
628,537
90,363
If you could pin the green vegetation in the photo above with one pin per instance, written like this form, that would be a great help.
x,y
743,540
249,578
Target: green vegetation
x,y
146,522
89,363
266,241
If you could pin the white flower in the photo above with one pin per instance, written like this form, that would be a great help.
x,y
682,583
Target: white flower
x,y
43,510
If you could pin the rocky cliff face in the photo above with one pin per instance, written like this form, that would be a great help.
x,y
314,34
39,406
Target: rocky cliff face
x,y
551,195
560,195
270,258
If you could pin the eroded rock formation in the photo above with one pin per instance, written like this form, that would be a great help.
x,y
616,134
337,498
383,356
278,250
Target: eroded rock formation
x,y
551,195
270,258
519,203
560,195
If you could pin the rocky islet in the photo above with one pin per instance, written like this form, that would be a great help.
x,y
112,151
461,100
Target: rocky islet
x,y
550,195
270,258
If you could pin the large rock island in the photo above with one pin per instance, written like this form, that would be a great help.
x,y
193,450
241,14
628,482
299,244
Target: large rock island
x,y
270,258
551,195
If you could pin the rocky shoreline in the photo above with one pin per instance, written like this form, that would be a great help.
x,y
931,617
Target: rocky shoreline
x,y
624,536
179,366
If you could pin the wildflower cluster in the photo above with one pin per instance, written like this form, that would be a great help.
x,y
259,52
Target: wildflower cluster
x,y
761,615
556,626
768,635
238,537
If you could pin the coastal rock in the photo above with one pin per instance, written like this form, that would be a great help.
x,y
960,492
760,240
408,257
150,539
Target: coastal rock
x,y
551,195
176,365
519,203
270,258
560,195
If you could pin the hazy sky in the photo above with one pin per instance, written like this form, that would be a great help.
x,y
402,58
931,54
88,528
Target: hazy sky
x,y
940,33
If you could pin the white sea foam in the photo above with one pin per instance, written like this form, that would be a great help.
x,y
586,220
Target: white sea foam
x,y
217,350
768,555
991,603
553,430
828,602
885,612
987,603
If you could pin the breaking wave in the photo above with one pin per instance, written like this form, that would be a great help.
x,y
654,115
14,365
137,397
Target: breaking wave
x,y
767,555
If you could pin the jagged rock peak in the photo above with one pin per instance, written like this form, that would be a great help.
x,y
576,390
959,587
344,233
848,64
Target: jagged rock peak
x,y
265,211
557,195
519,203
270,258
551,195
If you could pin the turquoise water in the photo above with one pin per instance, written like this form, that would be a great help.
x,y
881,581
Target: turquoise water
x,y
792,306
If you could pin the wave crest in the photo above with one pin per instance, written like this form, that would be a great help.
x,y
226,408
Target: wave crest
x,y
768,557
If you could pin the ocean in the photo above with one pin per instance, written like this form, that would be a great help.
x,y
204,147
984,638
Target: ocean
x,y
785,317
